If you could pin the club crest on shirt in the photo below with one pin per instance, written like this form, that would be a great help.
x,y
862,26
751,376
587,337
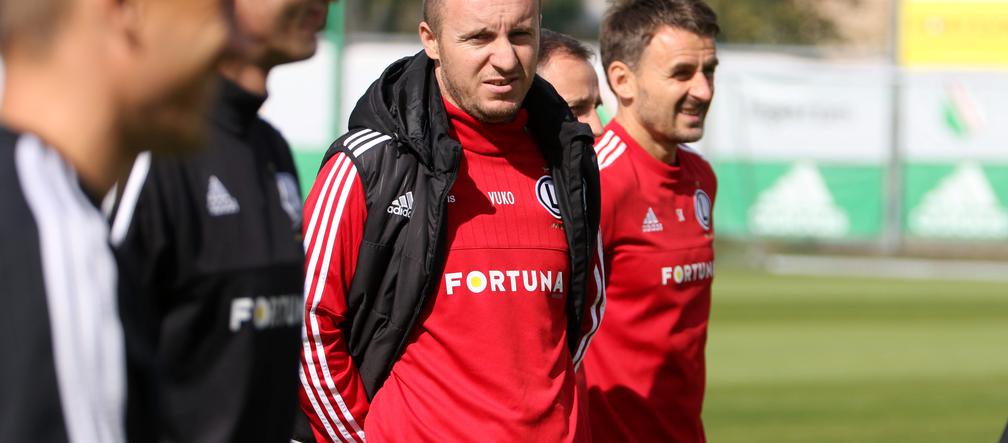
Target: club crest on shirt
x,y
290,199
702,208
546,193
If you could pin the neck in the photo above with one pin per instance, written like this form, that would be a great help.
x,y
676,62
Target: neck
x,y
663,151
250,76
74,114
445,91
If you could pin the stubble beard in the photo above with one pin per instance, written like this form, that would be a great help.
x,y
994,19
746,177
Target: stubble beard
x,y
177,125
661,124
471,104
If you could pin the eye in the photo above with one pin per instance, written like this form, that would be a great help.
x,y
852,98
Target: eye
x,y
682,74
520,35
580,109
479,37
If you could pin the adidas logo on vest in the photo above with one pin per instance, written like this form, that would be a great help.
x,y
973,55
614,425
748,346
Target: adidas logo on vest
x,y
402,206
651,223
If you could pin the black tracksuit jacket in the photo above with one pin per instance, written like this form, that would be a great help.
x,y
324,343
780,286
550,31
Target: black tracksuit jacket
x,y
214,253
63,366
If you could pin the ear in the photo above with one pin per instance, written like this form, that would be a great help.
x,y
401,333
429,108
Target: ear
x,y
622,81
429,40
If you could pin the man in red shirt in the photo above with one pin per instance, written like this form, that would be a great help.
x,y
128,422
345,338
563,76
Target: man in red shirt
x,y
646,368
453,255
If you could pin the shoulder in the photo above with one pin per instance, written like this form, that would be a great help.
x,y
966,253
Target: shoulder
x,y
374,155
360,145
8,168
271,134
698,165
615,169
17,219
40,185
610,150
358,142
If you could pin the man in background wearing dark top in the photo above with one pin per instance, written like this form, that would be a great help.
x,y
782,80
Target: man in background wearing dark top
x,y
86,82
215,246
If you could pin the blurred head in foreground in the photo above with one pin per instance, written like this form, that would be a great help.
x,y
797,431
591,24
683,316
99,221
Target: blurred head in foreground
x,y
280,31
99,78
566,64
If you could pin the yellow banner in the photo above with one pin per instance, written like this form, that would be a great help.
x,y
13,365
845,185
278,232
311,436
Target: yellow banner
x,y
954,33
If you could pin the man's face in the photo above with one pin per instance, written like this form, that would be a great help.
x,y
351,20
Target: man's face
x,y
281,31
576,81
675,85
168,75
487,51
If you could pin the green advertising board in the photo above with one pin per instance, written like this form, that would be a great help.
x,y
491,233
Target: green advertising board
x,y
964,201
799,200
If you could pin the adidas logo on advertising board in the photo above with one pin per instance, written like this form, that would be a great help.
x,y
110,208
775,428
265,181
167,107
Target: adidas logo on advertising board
x,y
402,206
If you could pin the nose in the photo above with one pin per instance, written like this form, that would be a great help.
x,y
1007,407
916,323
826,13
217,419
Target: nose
x,y
503,56
702,87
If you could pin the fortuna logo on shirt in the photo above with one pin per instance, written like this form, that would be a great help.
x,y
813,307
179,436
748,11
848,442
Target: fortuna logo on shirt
x,y
402,206
511,280
687,273
267,312
219,200
651,223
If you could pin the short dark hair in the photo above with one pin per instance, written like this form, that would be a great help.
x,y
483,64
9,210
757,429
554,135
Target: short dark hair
x,y
30,22
432,13
629,26
552,43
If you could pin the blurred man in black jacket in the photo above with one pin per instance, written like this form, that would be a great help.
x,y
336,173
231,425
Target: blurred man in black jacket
x,y
215,246
86,82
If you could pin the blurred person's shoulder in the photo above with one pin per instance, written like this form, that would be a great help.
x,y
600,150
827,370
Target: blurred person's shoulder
x,y
12,200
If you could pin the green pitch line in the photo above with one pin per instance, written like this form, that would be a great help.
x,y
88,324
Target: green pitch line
x,y
807,359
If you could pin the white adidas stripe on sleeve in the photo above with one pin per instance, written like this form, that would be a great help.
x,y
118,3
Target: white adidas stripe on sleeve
x,y
319,243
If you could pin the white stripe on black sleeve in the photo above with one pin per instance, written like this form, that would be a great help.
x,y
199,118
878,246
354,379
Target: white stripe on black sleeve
x,y
80,278
128,202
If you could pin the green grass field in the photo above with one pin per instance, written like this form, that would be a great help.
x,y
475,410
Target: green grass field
x,y
832,359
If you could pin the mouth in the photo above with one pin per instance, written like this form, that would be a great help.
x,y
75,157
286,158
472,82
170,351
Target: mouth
x,y
499,85
693,112
315,16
